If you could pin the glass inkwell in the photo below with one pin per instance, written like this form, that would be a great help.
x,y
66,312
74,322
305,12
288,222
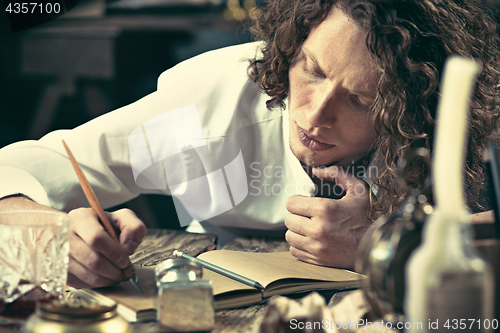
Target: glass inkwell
x,y
184,299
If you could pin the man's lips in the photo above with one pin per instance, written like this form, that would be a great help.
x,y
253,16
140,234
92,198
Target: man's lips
x,y
311,142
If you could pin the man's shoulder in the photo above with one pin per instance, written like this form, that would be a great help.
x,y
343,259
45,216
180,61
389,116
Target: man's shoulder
x,y
240,52
230,61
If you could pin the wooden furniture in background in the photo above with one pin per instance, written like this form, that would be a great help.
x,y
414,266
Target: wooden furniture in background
x,y
69,51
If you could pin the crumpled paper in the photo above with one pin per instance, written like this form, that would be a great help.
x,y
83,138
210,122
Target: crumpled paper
x,y
312,315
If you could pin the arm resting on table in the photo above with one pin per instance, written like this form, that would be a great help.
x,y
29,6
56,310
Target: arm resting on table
x,y
483,217
20,202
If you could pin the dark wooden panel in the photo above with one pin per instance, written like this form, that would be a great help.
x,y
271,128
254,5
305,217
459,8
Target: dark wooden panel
x,y
73,57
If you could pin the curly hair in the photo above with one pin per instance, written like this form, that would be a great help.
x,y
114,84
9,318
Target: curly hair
x,y
409,41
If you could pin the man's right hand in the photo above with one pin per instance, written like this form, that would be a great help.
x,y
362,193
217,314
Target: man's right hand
x,y
95,259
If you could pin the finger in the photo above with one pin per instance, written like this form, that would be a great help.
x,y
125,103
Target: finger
x,y
313,239
300,205
303,255
349,183
87,227
93,261
299,247
311,206
298,224
132,229
296,240
319,253
81,277
100,241
75,282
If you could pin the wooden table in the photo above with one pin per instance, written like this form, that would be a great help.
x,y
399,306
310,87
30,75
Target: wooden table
x,y
159,245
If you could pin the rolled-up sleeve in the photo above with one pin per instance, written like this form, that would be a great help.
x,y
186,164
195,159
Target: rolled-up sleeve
x,y
17,181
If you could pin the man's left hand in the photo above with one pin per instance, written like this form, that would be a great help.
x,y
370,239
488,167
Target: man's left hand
x,y
325,231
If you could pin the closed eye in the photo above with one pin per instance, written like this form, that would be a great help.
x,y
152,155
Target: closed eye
x,y
356,101
313,71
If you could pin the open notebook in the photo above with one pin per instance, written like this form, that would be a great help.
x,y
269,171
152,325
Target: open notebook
x,y
279,272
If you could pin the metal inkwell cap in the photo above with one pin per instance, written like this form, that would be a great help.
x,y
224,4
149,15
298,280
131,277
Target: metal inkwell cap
x,y
75,316
178,269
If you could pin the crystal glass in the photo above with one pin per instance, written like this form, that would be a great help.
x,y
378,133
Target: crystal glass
x,y
33,259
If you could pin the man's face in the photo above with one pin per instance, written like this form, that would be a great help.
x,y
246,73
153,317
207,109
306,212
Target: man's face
x,y
332,85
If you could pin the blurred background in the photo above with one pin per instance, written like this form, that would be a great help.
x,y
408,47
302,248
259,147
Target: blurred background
x,y
104,54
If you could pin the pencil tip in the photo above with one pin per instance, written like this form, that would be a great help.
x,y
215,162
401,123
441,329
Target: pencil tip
x,y
136,283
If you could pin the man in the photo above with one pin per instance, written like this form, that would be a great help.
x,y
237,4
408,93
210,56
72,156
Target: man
x,y
358,82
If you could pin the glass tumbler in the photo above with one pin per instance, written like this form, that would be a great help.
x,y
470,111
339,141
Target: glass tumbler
x,y
33,259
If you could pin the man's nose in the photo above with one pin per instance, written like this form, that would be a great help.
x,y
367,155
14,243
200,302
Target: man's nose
x,y
322,111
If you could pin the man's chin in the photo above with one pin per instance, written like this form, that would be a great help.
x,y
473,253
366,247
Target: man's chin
x,y
313,161
317,161
319,164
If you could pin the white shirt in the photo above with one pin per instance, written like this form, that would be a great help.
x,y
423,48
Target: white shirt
x,y
230,109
